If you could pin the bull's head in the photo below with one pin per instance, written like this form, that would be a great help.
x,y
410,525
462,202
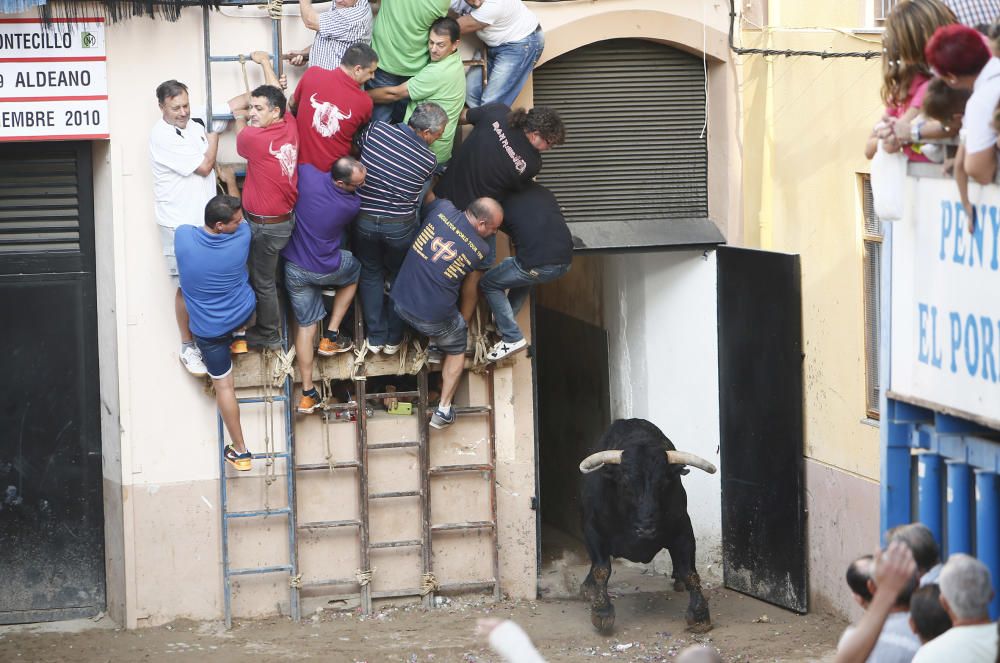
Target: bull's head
x,y
648,487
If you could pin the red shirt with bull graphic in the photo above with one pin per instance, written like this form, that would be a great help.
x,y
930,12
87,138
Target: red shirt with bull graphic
x,y
329,109
445,250
272,182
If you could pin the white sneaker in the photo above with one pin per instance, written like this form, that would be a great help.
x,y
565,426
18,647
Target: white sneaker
x,y
191,358
374,349
390,349
502,349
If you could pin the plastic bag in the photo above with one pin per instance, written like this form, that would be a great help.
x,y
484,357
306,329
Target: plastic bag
x,y
888,178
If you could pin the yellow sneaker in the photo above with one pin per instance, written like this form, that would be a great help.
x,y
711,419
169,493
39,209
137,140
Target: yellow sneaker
x,y
238,346
241,461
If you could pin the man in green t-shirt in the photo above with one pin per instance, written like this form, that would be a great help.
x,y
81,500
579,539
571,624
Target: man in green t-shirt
x,y
399,36
442,81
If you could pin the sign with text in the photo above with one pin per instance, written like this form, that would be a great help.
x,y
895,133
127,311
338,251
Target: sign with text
x,y
53,79
946,300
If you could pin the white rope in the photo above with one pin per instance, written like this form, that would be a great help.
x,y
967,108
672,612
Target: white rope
x,y
428,584
357,368
480,345
419,356
364,577
283,367
295,582
325,391
270,471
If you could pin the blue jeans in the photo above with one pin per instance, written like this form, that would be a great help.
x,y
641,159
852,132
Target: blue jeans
x,y
305,288
508,67
451,336
510,275
393,112
381,244
266,242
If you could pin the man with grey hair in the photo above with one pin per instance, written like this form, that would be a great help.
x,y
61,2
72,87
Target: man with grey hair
x,y
966,592
926,553
399,162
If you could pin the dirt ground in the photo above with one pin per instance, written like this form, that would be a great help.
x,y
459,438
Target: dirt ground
x,y
649,628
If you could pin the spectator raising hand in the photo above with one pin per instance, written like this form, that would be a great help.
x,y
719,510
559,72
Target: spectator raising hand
x,y
894,571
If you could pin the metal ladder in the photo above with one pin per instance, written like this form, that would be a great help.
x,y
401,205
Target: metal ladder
x,y
212,59
488,471
287,511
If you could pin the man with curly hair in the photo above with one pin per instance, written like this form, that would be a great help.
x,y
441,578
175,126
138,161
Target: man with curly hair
x,y
501,155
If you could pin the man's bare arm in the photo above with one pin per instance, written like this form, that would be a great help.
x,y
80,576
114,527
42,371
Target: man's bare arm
x,y
385,95
981,166
263,58
468,24
208,163
310,17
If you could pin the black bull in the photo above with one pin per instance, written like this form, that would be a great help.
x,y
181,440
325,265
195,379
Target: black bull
x,y
635,506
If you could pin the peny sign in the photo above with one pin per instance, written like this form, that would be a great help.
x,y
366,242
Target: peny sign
x,y
53,79
945,305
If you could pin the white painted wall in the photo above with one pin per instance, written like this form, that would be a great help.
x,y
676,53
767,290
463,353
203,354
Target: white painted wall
x,y
660,313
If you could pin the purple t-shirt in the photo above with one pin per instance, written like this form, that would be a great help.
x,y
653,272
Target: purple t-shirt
x,y
321,214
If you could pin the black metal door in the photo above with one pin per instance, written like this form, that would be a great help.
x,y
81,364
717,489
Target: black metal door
x,y
51,513
574,409
760,404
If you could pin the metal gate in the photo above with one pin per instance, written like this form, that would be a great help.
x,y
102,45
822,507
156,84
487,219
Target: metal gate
x,y
761,427
51,512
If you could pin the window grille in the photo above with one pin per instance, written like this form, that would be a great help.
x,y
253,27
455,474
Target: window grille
x,y
883,7
872,239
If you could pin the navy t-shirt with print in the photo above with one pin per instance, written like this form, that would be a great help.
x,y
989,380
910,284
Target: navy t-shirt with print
x,y
493,161
443,252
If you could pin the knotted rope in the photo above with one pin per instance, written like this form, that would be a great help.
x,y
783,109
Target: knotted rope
x,y
270,471
358,367
364,577
428,584
283,367
480,344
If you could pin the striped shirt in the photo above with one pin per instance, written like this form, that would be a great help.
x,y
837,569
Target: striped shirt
x,y
339,28
975,13
399,163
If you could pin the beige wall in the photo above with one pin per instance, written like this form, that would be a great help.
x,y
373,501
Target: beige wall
x,y
805,120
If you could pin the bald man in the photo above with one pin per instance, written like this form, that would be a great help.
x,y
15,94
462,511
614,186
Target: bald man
x,y
450,245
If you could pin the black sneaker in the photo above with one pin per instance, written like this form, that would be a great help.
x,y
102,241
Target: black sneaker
x,y
441,420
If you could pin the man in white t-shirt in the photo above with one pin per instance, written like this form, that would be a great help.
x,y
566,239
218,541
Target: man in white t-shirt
x,y
515,42
183,160
966,593
961,58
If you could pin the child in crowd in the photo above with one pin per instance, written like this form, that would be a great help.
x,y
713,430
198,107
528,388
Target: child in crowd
x,y
947,105
905,77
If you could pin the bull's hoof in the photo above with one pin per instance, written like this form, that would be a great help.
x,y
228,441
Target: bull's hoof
x,y
679,585
603,619
698,621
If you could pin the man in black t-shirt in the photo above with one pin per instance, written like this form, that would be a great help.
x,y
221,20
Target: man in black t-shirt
x,y
544,246
450,246
501,155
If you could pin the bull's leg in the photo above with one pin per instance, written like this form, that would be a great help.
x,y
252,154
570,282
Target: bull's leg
x,y
678,582
595,586
682,552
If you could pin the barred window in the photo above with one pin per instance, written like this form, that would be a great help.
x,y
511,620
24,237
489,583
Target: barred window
x,y
882,8
872,240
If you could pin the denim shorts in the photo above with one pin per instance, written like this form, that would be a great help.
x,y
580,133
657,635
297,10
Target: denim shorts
x,y
491,253
305,288
216,355
450,335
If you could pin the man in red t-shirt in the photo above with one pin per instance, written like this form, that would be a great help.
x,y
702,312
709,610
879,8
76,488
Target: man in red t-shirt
x,y
330,106
270,144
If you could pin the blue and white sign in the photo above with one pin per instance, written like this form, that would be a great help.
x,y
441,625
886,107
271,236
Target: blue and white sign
x,y
946,300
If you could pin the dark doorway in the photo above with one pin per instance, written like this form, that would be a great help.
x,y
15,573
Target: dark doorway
x,y
51,511
760,404
573,409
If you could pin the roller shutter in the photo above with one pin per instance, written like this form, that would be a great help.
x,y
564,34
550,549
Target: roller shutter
x,y
634,170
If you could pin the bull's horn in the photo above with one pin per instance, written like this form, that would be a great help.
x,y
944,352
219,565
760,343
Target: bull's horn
x,y
685,458
600,459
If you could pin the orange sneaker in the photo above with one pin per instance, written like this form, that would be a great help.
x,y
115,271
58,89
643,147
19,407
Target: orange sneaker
x,y
238,346
329,347
241,461
309,402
